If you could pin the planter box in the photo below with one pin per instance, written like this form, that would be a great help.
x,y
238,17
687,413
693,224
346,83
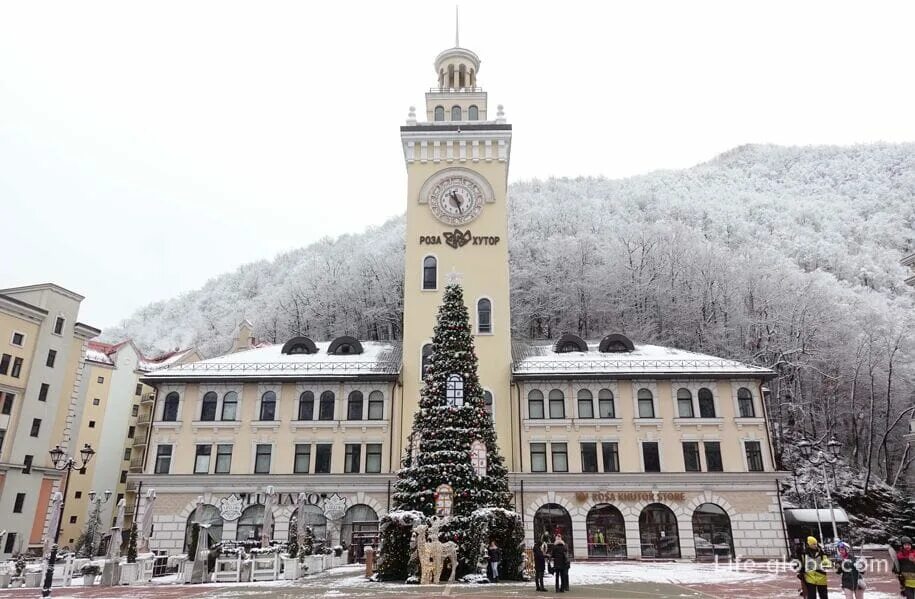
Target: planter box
x,y
228,569
4,581
315,563
292,569
265,568
88,580
129,574
33,579
146,565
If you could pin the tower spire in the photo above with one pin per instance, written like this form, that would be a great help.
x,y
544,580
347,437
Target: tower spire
x,y
457,39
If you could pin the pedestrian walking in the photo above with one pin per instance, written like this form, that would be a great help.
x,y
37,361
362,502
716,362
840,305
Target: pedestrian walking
x,y
812,566
906,570
539,564
853,584
561,565
495,556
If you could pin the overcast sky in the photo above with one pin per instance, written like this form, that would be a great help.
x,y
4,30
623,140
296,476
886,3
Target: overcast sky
x,y
146,148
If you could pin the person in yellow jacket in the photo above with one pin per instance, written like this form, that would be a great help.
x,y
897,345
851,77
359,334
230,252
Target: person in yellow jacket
x,y
813,564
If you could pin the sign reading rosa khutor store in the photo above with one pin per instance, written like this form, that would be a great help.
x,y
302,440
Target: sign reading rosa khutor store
x,y
231,507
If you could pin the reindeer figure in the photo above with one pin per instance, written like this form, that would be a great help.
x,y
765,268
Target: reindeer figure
x,y
424,554
442,550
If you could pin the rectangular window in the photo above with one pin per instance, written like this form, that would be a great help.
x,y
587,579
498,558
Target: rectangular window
x,y
538,457
2,437
685,407
262,458
7,406
10,542
691,456
326,407
96,401
745,404
127,454
646,407
585,406
17,368
713,456
322,458
605,406
139,390
302,458
163,459
535,405
59,326
5,363
354,409
223,458
17,505
306,408
651,457
78,495
43,392
754,456
123,477
27,464
18,339
52,357
202,459
135,410
92,424
36,427
353,459
557,405
373,458
376,406
130,431
611,455
72,519
589,457
101,380
560,455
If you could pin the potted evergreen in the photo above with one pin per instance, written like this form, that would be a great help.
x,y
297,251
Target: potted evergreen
x,y
130,570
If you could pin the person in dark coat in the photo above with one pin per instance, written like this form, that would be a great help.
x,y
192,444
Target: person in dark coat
x,y
495,556
847,566
561,565
539,564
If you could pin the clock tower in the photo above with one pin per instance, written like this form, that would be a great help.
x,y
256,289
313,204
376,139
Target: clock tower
x,y
457,229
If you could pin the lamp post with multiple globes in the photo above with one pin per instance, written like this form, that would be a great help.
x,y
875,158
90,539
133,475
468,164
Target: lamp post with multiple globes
x,y
66,464
817,457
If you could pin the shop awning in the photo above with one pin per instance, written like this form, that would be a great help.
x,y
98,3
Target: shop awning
x,y
808,516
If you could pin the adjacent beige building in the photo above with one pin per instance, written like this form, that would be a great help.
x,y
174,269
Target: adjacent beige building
x,y
628,450
42,383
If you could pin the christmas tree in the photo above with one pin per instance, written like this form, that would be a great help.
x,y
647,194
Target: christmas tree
x,y
453,467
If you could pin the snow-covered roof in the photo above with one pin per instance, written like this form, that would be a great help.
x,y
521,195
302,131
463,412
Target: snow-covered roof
x,y
101,353
104,353
539,359
163,361
810,516
269,362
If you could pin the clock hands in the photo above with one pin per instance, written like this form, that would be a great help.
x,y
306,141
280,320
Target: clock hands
x,y
457,201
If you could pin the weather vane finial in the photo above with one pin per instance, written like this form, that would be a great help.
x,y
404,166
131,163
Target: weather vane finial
x,y
457,42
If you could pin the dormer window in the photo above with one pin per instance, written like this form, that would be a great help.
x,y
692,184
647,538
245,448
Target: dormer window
x,y
570,343
299,345
439,113
345,346
612,344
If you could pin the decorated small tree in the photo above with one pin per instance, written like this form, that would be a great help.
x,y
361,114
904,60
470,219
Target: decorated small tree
x,y
132,545
453,466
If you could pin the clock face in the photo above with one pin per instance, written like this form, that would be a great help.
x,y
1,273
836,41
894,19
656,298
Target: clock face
x,y
456,199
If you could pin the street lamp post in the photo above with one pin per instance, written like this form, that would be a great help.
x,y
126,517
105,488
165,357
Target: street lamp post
x,y
96,502
817,457
66,464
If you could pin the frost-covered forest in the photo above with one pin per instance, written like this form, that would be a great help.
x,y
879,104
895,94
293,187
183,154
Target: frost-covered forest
x,y
783,257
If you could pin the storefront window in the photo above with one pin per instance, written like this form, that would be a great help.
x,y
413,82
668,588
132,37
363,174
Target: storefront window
x,y
658,531
314,517
712,532
553,519
209,516
606,532
251,524
360,528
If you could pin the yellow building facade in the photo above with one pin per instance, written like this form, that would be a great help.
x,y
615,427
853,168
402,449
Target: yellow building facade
x,y
628,450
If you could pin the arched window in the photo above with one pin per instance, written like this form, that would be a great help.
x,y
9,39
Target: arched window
x,y
326,407
170,408
314,519
208,409
430,273
605,407
659,533
251,524
535,404
306,406
606,532
487,402
376,405
712,532
439,113
551,520
230,406
473,113
454,390
646,404
585,404
426,359
706,403
268,406
360,524
484,316
354,406
745,403
455,113
209,516
684,403
557,404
